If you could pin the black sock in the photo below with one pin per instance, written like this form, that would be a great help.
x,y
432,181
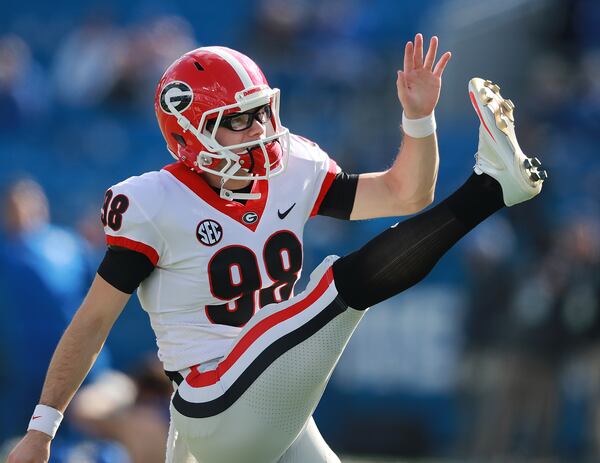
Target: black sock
x,y
478,198
403,255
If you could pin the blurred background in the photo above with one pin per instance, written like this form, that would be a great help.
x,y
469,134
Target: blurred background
x,y
495,356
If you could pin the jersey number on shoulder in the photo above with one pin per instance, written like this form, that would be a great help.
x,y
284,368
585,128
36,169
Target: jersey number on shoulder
x,y
233,273
113,209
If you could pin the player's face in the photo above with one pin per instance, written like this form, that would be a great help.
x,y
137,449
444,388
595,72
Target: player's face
x,y
236,129
243,127
228,137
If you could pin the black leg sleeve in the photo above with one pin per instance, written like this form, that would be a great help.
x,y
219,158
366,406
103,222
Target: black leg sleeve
x,y
403,255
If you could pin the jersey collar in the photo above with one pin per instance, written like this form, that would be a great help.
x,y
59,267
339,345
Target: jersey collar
x,y
248,214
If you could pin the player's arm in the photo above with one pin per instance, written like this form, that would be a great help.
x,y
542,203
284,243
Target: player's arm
x,y
406,188
72,359
409,185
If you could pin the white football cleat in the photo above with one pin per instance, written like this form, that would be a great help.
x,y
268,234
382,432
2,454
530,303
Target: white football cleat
x,y
499,154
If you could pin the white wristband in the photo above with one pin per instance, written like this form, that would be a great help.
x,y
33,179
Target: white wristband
x,y
45,419
419,128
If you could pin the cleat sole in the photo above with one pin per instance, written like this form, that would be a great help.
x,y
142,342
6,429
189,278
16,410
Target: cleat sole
x,y
517,173
502,109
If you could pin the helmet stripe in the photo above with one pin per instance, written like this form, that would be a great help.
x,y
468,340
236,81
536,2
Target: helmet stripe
x,y
234,63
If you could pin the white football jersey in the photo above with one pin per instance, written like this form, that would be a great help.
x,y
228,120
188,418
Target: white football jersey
x,y
216,262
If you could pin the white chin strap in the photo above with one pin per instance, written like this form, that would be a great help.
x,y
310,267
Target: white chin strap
x,y
229,195
232,195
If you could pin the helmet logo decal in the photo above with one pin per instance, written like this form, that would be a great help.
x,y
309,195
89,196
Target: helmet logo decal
x,y
177,94
209,232
251,91
250,217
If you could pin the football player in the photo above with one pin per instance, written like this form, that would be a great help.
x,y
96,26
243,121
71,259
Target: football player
x,y
213,243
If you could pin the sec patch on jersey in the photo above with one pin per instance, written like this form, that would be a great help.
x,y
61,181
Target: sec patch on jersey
x,y
209,232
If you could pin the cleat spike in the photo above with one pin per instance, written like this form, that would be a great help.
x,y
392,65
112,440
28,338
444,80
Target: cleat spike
x,y
535,176
507,109
485,96
543,175
492,86
536,162
501,122
527,163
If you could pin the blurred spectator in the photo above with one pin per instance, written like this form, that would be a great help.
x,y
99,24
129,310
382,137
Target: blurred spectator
x,y
133,411
557,306
489,255
146,51
87,62
44,271
103,64
553,322
24,95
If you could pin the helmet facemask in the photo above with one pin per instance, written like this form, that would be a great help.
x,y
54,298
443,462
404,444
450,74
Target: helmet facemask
x,y
259,159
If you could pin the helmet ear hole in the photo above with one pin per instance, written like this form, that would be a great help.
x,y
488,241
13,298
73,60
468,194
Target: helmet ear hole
x,y
179,139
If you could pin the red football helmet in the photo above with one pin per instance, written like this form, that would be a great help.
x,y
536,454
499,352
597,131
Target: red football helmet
x,y
194,96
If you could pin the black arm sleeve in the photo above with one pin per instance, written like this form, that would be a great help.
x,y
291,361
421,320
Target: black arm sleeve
x,y
339,200
124,269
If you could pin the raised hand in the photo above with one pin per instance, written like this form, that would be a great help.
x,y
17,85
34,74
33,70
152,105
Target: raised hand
x,y
420,82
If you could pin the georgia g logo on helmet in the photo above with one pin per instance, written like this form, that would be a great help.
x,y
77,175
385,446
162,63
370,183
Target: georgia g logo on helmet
x,y
178,95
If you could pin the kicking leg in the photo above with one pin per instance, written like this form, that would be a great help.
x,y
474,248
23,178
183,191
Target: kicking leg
x,y
404,254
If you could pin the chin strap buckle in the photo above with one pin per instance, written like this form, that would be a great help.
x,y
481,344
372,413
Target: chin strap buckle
x,y
232,195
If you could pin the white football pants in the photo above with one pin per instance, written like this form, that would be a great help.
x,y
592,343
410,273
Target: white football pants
x,y
255,404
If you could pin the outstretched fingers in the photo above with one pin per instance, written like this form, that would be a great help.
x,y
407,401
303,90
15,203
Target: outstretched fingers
x,y
430,57
408,57
413,56
418,60
441,65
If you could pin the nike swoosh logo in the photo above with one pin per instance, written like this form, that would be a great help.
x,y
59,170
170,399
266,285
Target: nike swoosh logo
x,y
283,215
35,417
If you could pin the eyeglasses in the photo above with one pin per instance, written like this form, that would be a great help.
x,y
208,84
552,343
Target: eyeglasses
x,y
242,121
